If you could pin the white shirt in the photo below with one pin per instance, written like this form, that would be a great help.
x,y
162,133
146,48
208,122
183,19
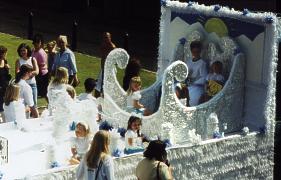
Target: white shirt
x,y
133,96
134,136
15,111
81,144
29,62
26,93
197,71
86,96
215,77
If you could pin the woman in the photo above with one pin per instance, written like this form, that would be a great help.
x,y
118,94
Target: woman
x,y
25,72
155,164
40,55
97,164
24,52
4,77
65,58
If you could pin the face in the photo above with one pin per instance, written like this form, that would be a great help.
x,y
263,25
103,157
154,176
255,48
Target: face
x,y
216,68
3,55
37,45
23,52
61,44
135,126
107,37
135,86
80,131
50,48
195,53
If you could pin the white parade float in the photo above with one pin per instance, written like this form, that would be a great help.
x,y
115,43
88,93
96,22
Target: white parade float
x,y
246,44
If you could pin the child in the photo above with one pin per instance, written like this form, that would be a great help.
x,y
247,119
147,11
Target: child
x,y
197,72
71,91
97,163
214,81
14,109
182,94
80,143
134,96
89,85
133,137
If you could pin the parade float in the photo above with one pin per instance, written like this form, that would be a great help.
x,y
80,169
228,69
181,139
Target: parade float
x,y
243,112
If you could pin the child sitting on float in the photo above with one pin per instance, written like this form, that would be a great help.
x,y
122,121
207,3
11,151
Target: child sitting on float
x,y
89,85
133,138
182,94
14,108
214,81
80,144
134,96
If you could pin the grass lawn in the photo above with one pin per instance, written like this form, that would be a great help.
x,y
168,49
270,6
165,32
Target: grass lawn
x,y
88,66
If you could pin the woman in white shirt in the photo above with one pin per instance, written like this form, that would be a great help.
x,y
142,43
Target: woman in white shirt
x,y
97,164
24,52
25,90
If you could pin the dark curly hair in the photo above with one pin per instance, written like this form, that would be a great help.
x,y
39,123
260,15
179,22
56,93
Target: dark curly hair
x,y
3,49
195,45
24,45
133,119
157,150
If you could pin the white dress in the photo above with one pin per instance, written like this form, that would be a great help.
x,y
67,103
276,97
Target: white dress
x,y
130,100
136,140
81,144
15,112
197,75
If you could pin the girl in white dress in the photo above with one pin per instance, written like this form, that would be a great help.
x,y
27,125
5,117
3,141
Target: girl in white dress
x,y
14,109
80,143
134,96
133,139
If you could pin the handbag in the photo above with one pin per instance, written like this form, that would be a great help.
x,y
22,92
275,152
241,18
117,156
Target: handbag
x,y
99,167
157,171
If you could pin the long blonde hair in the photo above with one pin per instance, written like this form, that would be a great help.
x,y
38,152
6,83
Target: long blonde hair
x,y
61,76
12,94
99,148
136,80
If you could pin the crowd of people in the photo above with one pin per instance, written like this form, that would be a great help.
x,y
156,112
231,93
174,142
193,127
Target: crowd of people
x,y
41,70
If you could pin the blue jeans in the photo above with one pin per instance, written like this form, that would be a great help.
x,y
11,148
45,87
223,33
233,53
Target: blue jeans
x,y
34,93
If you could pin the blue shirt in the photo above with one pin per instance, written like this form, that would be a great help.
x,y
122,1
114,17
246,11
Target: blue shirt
x,y
67,60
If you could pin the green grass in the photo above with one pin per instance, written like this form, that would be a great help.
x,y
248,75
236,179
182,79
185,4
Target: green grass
x,y
88,66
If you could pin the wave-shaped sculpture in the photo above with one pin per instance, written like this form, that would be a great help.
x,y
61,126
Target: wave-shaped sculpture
x,y
227,104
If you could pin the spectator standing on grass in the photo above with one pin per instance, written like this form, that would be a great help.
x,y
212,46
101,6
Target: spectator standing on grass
x,y
25,73
65,58
51,53
24,52
42,79
4,76
106,46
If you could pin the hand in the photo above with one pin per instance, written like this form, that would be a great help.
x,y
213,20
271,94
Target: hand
x,y
7,66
